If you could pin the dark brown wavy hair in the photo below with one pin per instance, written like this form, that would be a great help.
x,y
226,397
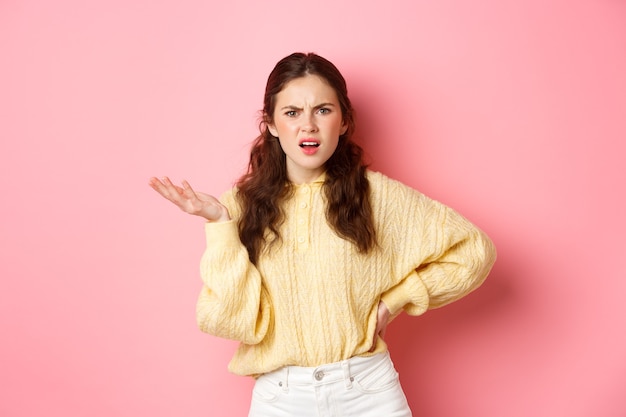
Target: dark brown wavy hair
x,y
265,186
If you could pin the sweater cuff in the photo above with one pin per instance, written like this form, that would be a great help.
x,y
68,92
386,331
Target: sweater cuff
x,y
222,234
394,299
410,294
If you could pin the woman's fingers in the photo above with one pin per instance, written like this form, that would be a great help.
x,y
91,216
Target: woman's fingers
x,y
187,191
173,189
382,320
169,191
159,187
199,204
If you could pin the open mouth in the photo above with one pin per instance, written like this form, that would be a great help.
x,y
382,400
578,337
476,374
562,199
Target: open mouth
x,y
309,144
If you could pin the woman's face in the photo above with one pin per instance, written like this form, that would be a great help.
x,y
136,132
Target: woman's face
x,y
308,122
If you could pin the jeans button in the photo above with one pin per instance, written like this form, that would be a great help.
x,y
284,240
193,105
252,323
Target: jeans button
x,y
319,375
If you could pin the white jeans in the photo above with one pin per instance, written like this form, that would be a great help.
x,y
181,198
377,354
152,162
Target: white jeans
x,y
357,387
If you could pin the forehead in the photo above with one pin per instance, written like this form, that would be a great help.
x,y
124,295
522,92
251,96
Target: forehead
x,y
309,89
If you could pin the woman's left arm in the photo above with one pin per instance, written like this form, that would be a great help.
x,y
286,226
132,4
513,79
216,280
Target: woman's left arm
x,y
454,258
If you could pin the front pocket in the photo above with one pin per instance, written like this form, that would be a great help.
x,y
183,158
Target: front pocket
x,y
266,390
381,377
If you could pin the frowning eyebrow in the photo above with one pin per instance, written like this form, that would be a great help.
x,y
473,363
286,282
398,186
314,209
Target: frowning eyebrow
x,y
319,106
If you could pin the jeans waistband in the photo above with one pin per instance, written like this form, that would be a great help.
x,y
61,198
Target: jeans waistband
x,y
328,373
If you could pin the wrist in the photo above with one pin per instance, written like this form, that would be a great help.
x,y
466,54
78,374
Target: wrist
x,y
215,214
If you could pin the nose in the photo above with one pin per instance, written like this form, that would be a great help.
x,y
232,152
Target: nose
x,y
308,123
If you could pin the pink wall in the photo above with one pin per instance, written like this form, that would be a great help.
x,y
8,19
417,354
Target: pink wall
x,y
513,112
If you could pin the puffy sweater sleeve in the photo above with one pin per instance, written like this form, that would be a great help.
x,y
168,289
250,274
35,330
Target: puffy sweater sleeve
x,y
233,303
439,256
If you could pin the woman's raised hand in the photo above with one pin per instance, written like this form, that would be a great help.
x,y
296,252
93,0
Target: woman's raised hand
x,y
190,201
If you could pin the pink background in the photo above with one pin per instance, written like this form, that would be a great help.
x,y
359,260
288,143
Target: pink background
x,y
513,112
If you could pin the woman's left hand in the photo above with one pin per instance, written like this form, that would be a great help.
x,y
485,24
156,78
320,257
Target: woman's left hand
x,y
381,323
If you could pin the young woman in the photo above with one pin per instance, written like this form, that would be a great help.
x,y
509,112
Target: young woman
x,y
311,254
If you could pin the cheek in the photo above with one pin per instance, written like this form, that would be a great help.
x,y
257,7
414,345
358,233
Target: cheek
x,y
284,127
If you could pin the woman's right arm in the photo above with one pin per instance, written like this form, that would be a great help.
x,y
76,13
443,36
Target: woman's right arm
x,y
233,303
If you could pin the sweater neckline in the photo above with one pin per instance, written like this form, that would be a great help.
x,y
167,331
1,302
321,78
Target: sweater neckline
x,y
317,181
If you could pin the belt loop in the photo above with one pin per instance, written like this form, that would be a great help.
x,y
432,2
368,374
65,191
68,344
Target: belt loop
x,y
347,378
286,377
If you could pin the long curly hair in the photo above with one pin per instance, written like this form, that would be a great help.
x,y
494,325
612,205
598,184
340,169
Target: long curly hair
x,y
265,186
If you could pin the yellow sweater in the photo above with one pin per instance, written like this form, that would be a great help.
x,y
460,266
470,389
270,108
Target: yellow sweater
x,y
312,298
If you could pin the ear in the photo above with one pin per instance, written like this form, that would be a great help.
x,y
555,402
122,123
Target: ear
x,y
344,128
272,129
